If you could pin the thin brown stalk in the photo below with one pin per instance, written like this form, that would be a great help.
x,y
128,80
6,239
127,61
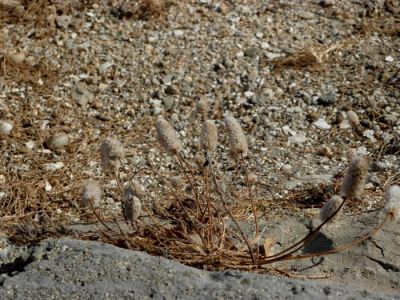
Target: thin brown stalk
x,y
300,244
192,221
253,207
233,218
182,161
100,218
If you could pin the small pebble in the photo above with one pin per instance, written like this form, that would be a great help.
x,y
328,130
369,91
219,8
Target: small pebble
x,y
298,139
327,99
322,124
54,166
353,118
57,141
5,127
389,58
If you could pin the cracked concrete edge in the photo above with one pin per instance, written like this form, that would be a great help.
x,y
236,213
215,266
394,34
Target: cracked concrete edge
x,y
73,269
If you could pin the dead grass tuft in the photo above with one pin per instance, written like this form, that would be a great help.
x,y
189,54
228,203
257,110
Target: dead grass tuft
x,y
140,10
40,75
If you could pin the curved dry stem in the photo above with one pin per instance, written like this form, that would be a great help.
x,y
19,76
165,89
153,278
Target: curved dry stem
x,y
300,244
100,218
343,247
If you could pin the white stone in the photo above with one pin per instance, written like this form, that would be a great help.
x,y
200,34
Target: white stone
x,y
54,166
298,139
345,124
370,135
178,33
30,144
5,127
240,54
389,58
322,124
248,94
3,195
47,186
286,130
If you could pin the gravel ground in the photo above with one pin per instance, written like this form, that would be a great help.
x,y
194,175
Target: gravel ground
x,y
311,82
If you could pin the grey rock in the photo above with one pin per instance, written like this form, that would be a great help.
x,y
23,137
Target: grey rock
x,y
81,94
251,52
308,179
327,99
306,15
63,21
72,269
168,103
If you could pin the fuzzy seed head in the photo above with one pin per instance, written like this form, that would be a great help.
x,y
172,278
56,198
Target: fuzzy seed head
x,y
252,178
355,178
91,193
209,136
168,137
353,118
132,206
202,106
5,127
111,152
236,136
138,189
392,205
329,208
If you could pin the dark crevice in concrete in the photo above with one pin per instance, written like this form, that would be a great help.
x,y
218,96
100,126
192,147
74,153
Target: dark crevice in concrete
x,y
17,266
379,247
387,266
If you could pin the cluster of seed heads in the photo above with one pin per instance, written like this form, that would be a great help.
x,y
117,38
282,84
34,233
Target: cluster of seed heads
x,y
355,178
168,137
392,205
111,152
237,139
209,136
91,193
329,208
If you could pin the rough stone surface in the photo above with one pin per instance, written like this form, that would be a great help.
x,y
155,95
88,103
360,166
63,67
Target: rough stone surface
x,y
72,269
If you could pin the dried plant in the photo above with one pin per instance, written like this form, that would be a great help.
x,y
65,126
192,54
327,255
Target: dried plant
x,y
199,221
209,136
202,107
91,193
392,205
137,189
237,139
149,9
168,137
355,178
330,208
132,207
111,153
